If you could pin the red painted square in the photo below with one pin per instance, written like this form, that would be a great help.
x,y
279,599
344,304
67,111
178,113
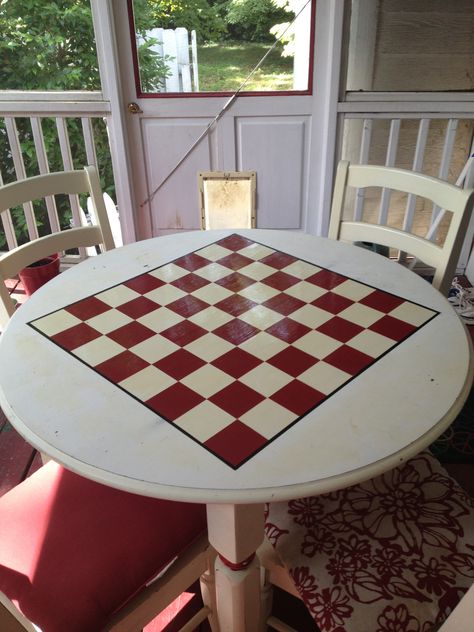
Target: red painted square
x,y
298,397
236,331
187,306
281,281
183,333
235,242
278,260
349,360
131,334
87,308
121,366
190,282
235,305
288,330
393,328
179,364
382,301
236,399
284,304
236,362
235,282
235,261
192,262
75,336
332,302
144,283
340,329
235,443
174,401
326,279
138,307
292,361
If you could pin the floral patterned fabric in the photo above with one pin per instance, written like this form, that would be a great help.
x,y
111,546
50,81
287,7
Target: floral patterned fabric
x,y
393,554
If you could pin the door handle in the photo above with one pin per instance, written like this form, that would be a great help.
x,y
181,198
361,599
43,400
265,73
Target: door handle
x,y
134,108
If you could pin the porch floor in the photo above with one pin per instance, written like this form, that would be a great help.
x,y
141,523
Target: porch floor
x,y
18,460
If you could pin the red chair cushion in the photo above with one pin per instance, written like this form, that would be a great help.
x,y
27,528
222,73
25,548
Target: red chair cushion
x,y
72,551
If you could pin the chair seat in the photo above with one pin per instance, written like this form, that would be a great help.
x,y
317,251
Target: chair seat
x,y
393,554
73,551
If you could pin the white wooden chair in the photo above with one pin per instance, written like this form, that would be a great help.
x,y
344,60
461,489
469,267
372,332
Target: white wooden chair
x,y
37,187
459,202
227,199
76,555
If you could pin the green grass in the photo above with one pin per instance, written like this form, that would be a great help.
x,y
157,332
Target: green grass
x,y
223,67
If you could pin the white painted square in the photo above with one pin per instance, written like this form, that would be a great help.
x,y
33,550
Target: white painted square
x,y
98,350
263,345
353,290
257,270
213,272
416,315
160,319
256,251
311,316
268,418
305,291
266,379
259,292
54,323
165,294
324,377
211,318
213,252
204,420
169,272
154,348
261,317
209,347
117,295
212,293
301,269
361,314
207,380
147,383
109,321
317,344
371,343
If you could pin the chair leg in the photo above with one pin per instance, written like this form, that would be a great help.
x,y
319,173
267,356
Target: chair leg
x,y
208,590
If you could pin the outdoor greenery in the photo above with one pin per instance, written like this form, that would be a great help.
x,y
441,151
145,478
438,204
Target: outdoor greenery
x,y
50,46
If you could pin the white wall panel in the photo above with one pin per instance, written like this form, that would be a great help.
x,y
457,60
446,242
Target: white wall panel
x,y
276,148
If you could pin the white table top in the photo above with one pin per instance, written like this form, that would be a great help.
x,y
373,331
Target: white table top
x,y
387,413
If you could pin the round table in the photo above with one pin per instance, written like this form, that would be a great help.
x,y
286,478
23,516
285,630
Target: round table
x,y
368,419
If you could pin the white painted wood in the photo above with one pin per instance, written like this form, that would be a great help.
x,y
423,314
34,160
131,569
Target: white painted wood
x,y
431,97
194,56
106,46
423,129
363,160
363,34
17,156
449,139
459,202
53,107
302,30
167,127
392,148
170,48
7,224
166,463
89,144
44,169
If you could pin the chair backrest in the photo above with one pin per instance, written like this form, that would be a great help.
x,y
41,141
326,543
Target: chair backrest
x,y
459,202
227,199
37,187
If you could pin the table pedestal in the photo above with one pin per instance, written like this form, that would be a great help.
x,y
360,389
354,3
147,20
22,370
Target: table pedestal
x,y
236,531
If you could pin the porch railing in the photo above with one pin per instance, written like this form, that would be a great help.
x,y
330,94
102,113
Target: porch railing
x,y
427,132
26,150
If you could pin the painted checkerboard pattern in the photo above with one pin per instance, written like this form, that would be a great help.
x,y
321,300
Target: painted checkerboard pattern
x,y
235,342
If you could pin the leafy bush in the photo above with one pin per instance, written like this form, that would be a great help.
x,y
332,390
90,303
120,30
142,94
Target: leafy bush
x,y
252,20
199,15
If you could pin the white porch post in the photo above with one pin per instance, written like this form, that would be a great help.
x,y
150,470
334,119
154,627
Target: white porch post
x,y
102,14
327,56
